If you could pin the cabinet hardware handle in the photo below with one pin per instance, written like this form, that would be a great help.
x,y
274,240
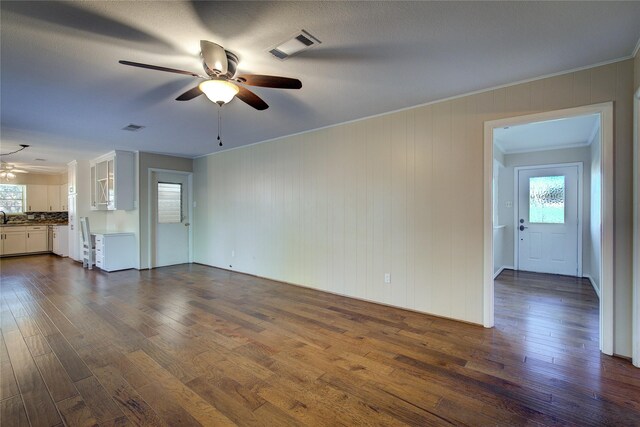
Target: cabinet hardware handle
x,y
27,235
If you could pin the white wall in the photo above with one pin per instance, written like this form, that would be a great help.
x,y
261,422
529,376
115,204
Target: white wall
x,y
506,194
336,208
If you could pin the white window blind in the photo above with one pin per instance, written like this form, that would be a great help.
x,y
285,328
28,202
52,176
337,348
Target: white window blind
x,y
169,203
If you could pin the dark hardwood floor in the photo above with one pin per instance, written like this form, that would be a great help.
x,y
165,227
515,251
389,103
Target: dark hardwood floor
x,y
193,345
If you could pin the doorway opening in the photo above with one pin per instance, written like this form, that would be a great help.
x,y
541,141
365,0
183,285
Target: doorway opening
x,y
548,206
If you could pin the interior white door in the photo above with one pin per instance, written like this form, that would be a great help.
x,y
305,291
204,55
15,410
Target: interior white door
x,y
547,221
172,216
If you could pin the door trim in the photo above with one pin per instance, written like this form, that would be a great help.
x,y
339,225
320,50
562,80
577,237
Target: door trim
x,y
151,225
605,110
516,169
635,327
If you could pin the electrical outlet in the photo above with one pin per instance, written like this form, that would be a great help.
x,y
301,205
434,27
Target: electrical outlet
x,y
387,277
508,204
233,254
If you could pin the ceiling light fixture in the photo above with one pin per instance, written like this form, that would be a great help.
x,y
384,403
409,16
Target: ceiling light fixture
x,y
7,176
219,91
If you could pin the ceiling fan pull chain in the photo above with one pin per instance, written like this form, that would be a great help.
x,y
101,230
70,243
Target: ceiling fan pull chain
x,y
219,125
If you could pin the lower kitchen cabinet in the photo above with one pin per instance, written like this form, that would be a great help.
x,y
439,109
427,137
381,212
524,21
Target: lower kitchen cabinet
x,y
36,240
60,240
115,251
14,240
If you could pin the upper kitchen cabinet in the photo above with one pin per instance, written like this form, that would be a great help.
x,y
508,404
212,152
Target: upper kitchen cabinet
x,y
53,198
45,198
37,198
63,191
113,181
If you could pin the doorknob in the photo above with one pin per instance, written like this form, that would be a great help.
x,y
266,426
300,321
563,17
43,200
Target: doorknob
x,y
186,224
522,227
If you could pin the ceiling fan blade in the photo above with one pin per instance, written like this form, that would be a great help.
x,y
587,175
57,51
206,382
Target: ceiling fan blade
x,y
270,81
18,171
158,68
190,94
251,98
214,58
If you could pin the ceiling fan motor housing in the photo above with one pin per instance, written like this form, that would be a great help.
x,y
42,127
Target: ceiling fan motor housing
x,y
232,66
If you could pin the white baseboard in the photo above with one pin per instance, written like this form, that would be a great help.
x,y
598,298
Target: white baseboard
x,y
593,284
501,269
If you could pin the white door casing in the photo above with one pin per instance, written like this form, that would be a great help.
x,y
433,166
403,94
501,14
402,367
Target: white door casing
x,y
172,230
605,110
548,236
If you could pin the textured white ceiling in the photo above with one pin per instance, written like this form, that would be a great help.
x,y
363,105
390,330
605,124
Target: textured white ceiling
x,y
550,134
64,92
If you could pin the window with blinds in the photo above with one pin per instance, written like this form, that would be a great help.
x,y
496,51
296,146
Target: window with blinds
x,y
169,203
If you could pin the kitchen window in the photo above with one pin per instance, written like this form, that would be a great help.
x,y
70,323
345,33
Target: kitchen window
x,y
11,198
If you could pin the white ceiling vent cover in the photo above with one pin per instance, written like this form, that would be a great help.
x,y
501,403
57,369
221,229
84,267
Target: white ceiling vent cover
x,y
297,43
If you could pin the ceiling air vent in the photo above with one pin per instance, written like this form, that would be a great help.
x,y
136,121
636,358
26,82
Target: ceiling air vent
x,y
297,43
133,128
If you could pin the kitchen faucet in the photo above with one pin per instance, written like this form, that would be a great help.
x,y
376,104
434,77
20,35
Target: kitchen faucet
x,y
4,219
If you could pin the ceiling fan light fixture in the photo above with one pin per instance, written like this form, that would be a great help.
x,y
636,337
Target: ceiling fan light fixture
x,y
219,91
8,176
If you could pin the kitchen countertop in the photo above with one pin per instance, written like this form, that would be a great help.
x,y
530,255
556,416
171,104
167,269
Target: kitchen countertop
x,y
29,224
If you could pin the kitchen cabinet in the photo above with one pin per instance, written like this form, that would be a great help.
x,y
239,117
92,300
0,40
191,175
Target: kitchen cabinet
x,y
115,251
36,238
73,231
37,198
46,198
53,198
72,169
60,240
14,240
63,191
113,181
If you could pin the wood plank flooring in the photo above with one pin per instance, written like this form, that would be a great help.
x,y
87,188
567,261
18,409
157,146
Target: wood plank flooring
x,y
193,345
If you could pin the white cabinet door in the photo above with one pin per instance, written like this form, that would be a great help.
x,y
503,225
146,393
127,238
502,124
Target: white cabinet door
x,y
53,197
74,232
64,194
71,177
37,240
113,181
60,240
37,198
15,242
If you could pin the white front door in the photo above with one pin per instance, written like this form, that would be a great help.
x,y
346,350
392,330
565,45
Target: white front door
x,y
547,220
172,218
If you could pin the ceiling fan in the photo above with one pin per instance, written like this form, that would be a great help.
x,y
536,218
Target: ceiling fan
x,y
8,171
221,83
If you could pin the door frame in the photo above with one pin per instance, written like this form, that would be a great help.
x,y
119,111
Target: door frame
x,y
635,323
605,110
151,214
516,206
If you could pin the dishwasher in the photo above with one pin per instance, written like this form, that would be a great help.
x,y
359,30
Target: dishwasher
x,y
50,238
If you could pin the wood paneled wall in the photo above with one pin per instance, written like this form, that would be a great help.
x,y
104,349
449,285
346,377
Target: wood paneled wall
x,y
337,208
